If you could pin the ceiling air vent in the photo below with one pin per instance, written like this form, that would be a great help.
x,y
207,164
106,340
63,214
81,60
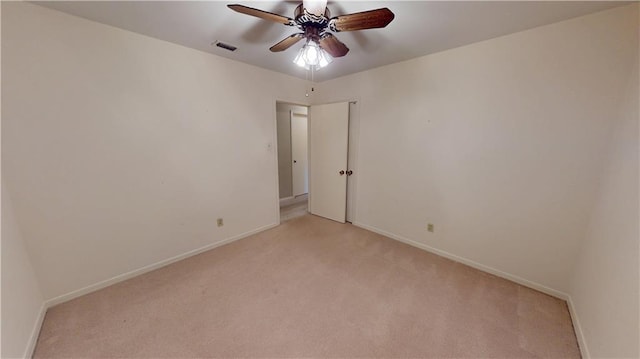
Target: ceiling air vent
x,y
226,46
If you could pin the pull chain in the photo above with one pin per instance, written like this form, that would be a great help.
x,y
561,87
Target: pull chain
x,y
306,77
312,70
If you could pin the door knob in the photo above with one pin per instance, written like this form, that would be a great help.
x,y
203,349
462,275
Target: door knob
x,y
341,172
349,172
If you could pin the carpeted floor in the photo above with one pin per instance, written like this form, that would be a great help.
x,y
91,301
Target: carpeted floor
x,y
311,288
293,211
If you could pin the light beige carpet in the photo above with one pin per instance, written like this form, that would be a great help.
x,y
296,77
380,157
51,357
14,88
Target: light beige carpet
x,y
311,288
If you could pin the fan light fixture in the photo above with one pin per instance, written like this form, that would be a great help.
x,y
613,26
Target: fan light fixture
x,y
312,56
314,19
315,7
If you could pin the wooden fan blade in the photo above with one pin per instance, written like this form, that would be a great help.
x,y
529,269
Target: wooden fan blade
x,y
333,46
371,19
286,43
261,14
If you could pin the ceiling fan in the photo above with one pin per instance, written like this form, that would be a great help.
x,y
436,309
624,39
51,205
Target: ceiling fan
x,y
314,19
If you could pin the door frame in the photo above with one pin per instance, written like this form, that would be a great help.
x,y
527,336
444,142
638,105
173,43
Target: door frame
x,y
353,149
274,149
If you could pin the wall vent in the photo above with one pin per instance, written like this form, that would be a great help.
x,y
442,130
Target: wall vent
x,y
226,46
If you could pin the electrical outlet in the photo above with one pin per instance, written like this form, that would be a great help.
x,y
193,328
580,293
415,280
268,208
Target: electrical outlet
x,y
220,222
430,227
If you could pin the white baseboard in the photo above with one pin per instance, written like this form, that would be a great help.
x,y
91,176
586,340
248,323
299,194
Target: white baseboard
x,y
285,200
470,263
35,332
582,342
122,277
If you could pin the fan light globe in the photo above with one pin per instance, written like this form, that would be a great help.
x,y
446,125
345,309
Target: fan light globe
x,y
316,7
311,53
325,59
298,60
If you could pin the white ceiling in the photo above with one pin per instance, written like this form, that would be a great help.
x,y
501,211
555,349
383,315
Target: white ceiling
x,y
419,27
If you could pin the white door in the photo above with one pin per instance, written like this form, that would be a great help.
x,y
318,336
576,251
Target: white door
x,y
328,146
299,153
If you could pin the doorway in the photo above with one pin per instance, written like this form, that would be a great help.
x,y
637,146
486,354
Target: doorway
x,y
317,156
293,167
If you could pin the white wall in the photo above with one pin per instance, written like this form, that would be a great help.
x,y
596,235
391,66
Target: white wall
x,y
605,289
500,144
22,301
120,150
